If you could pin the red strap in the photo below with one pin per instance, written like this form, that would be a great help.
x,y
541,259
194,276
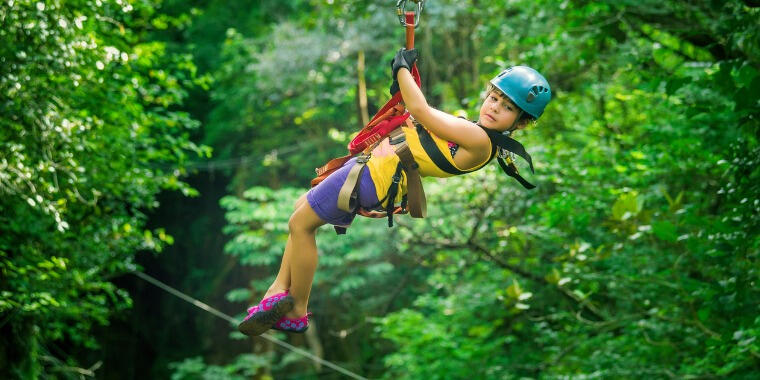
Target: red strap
x,y
387,119
393,113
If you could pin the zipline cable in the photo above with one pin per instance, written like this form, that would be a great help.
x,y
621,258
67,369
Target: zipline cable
x,y
247,160
404,18
226,317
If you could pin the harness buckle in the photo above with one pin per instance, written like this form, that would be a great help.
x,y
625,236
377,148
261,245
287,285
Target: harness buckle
x,y
363,158
507,155
398,140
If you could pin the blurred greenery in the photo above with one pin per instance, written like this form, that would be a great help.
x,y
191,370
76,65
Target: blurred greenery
x,y
636,257
89,136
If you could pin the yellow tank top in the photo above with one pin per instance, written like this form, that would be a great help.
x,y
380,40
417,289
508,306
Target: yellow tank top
x,y
382,165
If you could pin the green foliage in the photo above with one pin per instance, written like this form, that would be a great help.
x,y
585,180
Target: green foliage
x,y
636,257
244,367
635,248
286,93
349,266
87,138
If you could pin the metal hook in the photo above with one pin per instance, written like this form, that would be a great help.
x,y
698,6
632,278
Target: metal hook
x,y
401,9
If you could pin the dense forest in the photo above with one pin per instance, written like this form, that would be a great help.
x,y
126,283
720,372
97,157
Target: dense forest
x,y
172,138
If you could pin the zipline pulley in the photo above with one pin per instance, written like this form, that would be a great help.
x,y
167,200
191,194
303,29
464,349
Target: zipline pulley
x,y
401,10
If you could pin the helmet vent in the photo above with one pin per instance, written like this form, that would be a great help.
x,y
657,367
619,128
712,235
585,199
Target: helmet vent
x,y
534,92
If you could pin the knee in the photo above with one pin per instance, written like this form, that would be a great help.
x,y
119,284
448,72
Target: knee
x,y
297,226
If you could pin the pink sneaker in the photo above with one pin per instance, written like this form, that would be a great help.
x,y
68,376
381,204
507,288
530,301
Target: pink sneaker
x,y
296,325
262,316
266,303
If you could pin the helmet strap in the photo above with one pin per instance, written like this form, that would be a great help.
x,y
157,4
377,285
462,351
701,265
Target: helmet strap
x,y
513,127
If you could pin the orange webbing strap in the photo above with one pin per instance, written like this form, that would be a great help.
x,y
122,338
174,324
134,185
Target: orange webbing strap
x,y
328,168
391,115
380,214
409,16
368,140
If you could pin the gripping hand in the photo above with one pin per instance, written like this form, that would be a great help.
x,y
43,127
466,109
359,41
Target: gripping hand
x,y
404,58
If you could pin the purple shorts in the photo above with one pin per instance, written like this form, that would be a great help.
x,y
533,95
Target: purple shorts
x,y
323,198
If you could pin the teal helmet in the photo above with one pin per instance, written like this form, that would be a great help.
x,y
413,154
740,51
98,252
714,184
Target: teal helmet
x,y
526,87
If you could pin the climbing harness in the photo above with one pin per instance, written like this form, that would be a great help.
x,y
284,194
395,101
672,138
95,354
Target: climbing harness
x,y
385,124
533,94
414,200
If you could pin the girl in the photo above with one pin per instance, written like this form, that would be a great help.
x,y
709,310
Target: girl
x,y
515,97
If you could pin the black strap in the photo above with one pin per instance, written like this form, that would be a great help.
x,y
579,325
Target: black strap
x,y
510,144
497,140
391,195
511,171
428,144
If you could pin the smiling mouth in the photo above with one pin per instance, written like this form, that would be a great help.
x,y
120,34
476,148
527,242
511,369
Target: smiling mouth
x,y
491,117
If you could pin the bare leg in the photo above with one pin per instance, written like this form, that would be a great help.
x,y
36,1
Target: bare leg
x,y
303,256
282,282
299,262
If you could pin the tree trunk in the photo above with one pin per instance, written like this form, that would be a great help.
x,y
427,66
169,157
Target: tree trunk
x,y
362,91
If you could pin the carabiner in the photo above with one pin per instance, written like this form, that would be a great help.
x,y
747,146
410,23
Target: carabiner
x,y
401,9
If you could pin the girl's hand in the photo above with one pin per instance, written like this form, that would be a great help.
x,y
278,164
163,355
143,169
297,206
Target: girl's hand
x,y
404,58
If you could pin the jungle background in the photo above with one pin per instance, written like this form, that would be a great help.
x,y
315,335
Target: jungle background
x,y
173,137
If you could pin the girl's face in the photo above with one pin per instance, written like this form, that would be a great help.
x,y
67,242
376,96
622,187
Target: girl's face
x,y
499,113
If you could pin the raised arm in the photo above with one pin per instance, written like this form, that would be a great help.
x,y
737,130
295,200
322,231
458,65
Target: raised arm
x,y
454,129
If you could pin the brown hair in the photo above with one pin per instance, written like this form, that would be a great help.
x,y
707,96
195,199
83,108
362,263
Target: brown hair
x,y
526,117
